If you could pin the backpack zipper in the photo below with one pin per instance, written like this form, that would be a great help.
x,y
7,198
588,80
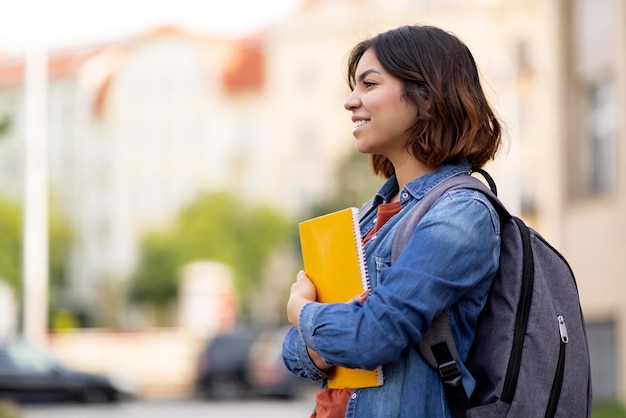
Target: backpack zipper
x,y
557,384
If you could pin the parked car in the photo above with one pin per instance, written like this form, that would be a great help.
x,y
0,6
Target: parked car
x,y
246,362
267,373
28,374
223,364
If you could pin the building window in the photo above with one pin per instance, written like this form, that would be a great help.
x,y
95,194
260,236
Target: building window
x,y
592,96
599,139
523,58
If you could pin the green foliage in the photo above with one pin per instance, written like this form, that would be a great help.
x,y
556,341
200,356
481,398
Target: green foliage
x,y
5,125
155,279
10,243
9,409
60,241
608,411
63,320
219,227
60,237
216,227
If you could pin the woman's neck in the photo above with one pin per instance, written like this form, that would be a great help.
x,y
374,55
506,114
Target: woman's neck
x,y
408,170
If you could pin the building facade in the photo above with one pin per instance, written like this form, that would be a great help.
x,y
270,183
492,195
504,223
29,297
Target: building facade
x,y
593,190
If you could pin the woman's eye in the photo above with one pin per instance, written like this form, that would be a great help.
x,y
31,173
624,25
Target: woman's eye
x,y
368,83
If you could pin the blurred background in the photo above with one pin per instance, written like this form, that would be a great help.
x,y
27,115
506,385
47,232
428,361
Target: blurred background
x,y
156,157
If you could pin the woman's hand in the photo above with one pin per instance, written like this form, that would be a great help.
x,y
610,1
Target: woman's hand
x,y
302,292
360,298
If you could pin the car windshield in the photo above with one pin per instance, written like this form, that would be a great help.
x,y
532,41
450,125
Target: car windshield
x,y
26,358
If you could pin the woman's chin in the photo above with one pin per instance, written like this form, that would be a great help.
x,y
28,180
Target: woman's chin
x,y
362,148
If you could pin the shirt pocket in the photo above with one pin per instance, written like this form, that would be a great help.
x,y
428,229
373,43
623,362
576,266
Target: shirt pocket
x,y
381,264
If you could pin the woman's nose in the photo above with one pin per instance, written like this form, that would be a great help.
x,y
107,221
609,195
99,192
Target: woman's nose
x,y
352,101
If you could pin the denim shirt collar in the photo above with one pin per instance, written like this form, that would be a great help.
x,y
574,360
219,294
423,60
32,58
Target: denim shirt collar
x,y
420,186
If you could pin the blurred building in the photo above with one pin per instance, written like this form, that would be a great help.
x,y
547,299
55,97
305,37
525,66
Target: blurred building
x,y
138,127
592,195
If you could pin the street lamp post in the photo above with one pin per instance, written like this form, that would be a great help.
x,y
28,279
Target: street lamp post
x,y
35,239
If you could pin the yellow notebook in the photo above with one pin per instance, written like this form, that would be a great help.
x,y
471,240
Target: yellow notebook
x,y
332,253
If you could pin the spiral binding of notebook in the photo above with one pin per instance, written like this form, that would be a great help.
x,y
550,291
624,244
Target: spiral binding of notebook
x,y
359,250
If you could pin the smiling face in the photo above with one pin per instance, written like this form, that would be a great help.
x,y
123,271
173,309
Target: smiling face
x,y
380,113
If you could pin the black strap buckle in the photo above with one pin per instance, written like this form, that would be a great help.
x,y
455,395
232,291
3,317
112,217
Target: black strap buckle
x,y
450,373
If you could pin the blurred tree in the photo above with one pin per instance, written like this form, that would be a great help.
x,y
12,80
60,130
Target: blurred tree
x,y
10,243
60,237
154,281
219,227
5,125
216,227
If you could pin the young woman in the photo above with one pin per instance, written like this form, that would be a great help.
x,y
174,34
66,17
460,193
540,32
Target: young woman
x,y
419,110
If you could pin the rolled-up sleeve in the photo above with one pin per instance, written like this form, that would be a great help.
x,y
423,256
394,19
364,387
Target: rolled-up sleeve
x,y
296,357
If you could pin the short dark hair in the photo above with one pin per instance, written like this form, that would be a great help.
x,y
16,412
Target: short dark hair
x,y
439,75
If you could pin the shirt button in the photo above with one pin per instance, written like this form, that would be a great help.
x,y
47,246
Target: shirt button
x,y
405,195
353,396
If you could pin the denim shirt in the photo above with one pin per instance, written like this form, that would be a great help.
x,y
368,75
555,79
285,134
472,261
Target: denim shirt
x,y
447,265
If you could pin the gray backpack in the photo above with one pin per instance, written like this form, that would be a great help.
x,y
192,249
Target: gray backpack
x,y
530,356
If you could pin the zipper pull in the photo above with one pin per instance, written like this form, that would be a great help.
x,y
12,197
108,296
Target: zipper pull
x,y
562,329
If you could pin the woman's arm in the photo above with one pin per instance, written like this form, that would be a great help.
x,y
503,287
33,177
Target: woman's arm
x,y
297,358
452,252
303,292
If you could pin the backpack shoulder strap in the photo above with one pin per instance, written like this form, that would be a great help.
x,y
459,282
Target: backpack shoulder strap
x,y
457,182
366,208
437,346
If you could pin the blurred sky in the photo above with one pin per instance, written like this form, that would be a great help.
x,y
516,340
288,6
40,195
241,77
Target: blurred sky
x,y
65,23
